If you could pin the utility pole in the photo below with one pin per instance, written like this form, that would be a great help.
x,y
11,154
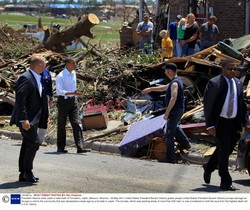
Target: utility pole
x,y
157,12
140,10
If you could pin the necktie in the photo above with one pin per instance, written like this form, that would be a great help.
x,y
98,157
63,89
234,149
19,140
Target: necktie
x,y
231,99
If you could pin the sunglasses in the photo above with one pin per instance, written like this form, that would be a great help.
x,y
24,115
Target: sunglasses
x,y
232,69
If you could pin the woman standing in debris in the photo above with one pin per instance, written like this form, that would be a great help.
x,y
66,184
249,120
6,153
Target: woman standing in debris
x,y
174,111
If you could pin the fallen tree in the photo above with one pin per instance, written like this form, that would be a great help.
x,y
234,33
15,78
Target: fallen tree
x,y
60,39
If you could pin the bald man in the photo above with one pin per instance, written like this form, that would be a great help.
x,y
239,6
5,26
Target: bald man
x,y
29,112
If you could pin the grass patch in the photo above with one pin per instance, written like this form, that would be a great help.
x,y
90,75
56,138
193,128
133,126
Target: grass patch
x,y
106,33
17,21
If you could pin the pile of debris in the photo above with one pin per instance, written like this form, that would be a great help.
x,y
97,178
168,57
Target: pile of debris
x,y
114,79
13,43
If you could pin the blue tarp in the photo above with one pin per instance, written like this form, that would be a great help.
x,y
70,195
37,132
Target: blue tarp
x,y
67,6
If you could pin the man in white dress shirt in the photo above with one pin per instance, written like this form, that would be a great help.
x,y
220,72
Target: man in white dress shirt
x,y
67,107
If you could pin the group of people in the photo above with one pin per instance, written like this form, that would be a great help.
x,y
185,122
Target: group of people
x,y
31,111
225,113
180,39
224,108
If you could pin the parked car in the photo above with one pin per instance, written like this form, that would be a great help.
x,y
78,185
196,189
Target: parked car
x,y
243,156
63,16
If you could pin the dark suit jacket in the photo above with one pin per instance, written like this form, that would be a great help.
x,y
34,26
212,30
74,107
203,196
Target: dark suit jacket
x,y
214,98
28,104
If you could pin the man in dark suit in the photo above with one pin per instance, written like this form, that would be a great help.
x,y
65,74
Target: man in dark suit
x,y
30,112
226,114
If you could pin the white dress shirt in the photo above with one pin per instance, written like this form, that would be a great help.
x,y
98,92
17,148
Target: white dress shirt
x,y
65,82
226,103
38,81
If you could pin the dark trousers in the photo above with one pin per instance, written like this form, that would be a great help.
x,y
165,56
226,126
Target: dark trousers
x,y
226,139
68,108
171,130
28,150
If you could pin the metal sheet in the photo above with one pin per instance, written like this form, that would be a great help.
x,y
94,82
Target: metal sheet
x,y
139,134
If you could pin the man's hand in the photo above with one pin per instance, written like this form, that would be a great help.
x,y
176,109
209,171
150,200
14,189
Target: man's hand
x,y
26,125
166,116
182,43
146,91
212,131
78,93
247,128
50,103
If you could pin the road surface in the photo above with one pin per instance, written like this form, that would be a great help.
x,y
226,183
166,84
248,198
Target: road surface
x,y
105,173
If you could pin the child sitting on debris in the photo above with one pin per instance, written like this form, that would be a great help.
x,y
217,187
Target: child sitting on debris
x,y
166,45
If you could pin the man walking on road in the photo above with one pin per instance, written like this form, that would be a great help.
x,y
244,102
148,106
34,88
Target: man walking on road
x,y
30,111
225,114
67,106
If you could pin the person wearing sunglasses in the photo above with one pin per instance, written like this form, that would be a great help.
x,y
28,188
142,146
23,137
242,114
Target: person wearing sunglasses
x,y
225,113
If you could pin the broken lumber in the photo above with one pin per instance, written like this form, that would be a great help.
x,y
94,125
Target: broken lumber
x,y
209,152
58,41
222,56
115,130
190,113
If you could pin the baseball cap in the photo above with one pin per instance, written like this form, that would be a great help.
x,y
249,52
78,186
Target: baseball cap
x,y
178,17
171,66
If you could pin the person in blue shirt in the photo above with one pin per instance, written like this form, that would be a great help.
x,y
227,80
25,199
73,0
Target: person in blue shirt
x,y
47,85
46,82
173,32
145,31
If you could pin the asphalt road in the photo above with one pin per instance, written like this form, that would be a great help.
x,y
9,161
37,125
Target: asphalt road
x,y
105,173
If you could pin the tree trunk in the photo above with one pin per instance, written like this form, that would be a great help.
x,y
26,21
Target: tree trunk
x,y
58,41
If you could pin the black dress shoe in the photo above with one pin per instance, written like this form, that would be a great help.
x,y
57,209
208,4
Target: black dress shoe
x,y
206,175
83,150
29,177
22,178
62,150
227,187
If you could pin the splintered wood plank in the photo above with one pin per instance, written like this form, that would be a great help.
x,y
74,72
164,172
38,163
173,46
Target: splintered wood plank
x,y
209,152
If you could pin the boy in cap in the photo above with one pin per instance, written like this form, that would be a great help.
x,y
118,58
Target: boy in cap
x,y
145,31
174,111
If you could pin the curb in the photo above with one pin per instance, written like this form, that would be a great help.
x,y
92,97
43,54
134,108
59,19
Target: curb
x,y
97,146
114,148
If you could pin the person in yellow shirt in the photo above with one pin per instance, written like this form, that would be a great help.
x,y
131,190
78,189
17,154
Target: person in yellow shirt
x,y
166,45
